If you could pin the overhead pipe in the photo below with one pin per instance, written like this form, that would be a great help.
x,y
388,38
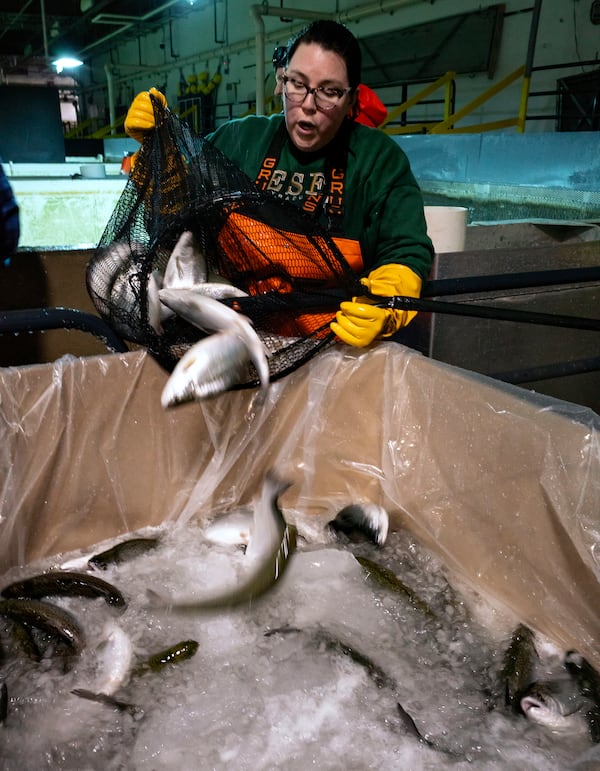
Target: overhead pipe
x,y
257,12
108,68
44,30
112,112
127,22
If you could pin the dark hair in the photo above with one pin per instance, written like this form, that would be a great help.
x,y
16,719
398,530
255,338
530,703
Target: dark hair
x,y
332,36
279,57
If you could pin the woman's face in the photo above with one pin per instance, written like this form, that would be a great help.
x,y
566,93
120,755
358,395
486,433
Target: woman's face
x,y
309,127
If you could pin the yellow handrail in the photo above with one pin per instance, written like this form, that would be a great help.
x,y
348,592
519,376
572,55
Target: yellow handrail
x,y
446,80
107,130
448,123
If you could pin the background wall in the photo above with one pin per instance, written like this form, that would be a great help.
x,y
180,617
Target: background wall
x,y
220,36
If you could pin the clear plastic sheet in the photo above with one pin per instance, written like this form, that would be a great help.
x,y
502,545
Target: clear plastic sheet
x,y
503,484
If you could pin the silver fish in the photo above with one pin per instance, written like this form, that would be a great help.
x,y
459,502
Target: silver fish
x,y
115,280
272,544
209,368
187,269
114,660
219,290
186,265
213,359
557,704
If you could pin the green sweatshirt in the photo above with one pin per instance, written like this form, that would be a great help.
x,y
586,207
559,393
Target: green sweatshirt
x,y
383,206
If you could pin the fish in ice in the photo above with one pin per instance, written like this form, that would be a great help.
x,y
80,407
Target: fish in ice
x,y
329,642
24,642
65,583
584,674
518,665
387,579
268,554
324,640
109,701
122,552
48,617
588,682
557,704
114,659
369,519
181,651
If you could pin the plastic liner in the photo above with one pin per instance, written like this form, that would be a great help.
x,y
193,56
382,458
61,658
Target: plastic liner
x,y
502,483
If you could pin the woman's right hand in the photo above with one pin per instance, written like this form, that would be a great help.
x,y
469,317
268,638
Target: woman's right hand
x,y
140,116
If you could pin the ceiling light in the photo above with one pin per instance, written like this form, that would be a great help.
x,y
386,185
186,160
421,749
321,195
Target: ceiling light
x,y
66,63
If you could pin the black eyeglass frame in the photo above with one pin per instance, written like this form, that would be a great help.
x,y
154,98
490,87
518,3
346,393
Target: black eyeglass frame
x,y
317,91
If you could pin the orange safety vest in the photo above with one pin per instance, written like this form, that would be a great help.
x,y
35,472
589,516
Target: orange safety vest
x,y
278,256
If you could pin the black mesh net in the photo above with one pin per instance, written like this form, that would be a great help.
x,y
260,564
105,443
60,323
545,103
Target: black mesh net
x,y
291,269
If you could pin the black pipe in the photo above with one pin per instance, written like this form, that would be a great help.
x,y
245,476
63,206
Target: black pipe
x,y
503,281
328,300
39,319
533,31
548,371
490,312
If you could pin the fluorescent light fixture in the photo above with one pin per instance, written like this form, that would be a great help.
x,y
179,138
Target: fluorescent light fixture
x,y
66,63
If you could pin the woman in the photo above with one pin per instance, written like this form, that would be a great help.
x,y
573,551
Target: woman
x,y
356,180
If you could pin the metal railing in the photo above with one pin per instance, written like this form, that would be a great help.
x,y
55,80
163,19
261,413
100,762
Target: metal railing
x,y
398,122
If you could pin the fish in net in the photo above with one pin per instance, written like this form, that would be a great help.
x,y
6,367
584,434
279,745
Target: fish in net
x,y
290,273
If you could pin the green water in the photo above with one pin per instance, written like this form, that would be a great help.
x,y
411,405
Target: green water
x,y
501,210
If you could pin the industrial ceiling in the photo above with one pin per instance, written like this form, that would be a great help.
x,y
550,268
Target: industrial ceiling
x,y
49,28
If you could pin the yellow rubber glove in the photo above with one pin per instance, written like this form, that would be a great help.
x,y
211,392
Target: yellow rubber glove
x,y
140,116
360,322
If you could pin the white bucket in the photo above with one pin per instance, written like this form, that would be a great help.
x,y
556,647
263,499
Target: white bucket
x,y
447,227
93,170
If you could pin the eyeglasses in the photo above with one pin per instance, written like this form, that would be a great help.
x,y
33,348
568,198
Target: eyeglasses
x,y
326,98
